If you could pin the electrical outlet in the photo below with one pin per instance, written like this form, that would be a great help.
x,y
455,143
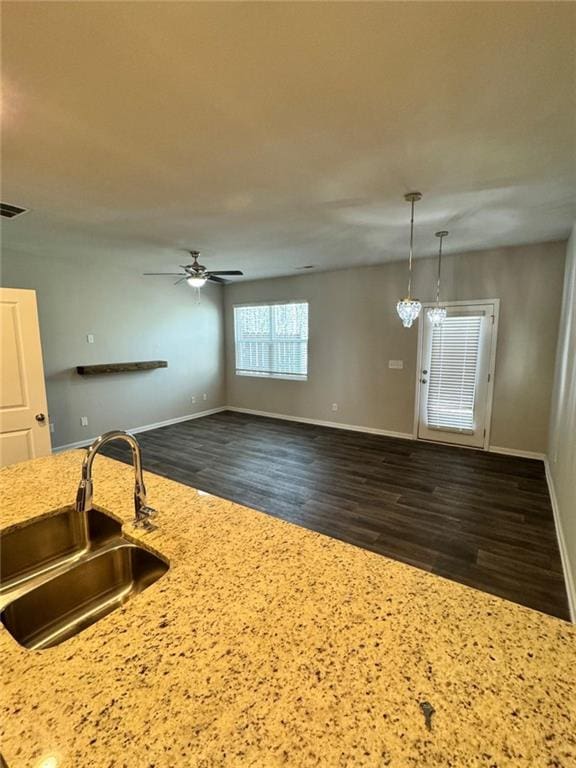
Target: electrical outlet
x,y
193,398
90,338
334,406
204,396
52,427
396,364
84,421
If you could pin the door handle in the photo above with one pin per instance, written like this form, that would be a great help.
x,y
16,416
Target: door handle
x,y
40,417
423,381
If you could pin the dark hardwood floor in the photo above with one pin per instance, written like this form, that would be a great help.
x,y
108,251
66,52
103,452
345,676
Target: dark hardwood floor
x,y
478,518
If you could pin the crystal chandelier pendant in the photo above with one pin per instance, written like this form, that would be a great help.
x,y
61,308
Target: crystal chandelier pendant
x,y
437,315
408,310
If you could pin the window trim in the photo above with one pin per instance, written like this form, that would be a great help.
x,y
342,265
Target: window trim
x,y
280,376
263,375
270,303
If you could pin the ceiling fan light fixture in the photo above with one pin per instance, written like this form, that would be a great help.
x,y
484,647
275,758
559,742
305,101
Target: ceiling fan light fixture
x,y
196,275
196,281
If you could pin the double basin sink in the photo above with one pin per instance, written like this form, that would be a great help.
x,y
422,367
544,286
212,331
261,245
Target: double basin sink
x,y
62,573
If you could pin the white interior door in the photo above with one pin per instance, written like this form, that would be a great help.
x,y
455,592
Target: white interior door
x,y
24,426
456,375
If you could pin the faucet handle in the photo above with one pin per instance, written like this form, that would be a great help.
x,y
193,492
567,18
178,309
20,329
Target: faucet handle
x,y
143,517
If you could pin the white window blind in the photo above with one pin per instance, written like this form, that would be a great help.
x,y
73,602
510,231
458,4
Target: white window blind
x,y
272,340
453,374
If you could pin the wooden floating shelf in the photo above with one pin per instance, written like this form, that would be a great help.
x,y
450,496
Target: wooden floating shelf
x,y
94,370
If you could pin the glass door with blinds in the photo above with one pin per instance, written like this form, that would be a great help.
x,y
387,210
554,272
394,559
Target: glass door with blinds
x,y
455,377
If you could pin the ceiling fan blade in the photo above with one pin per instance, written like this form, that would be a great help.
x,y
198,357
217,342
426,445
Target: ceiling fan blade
x,y
225,272
214,279
174,274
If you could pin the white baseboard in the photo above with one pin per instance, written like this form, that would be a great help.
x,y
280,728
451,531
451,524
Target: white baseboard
x,y
285,417
375,431
568,572
145,428
516,452
318,423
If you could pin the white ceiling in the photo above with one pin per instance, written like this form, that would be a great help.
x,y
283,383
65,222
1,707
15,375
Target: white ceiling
x,y
276,135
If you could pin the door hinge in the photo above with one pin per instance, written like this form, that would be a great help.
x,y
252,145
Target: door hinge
x,y
492,316
484,432
489,376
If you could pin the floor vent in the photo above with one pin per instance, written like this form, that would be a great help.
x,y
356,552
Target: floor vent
x,y
8,211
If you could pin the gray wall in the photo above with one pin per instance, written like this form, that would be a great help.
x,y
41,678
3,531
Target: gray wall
x,y
354,331
132,318
562,448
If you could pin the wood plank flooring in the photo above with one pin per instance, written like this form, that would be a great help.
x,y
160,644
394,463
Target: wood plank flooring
x,y
479,518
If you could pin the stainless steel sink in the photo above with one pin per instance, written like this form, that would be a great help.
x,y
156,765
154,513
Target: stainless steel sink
x,y
74,599
63,572
34,550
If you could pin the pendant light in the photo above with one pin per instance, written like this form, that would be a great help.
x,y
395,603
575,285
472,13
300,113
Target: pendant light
x,y
437,314
408,309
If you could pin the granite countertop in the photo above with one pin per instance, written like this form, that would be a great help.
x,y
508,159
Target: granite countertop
x,y
268,645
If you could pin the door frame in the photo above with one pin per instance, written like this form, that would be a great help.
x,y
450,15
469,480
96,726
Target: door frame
x,y
491,369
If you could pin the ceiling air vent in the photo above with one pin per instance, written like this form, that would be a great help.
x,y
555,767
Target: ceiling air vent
x,y
8,211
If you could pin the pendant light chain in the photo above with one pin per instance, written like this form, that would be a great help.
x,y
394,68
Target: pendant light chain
x,y
441,235
437,314
408,309
413,200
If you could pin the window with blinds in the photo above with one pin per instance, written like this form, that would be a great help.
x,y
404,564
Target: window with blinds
x,y
272,340
453,374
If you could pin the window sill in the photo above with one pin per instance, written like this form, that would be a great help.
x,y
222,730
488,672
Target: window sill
x,y
283,377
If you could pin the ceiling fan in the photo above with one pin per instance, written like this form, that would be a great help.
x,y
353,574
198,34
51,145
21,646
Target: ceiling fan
x,y
196,274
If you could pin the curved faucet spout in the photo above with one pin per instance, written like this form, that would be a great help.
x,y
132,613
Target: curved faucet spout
x,y
143,512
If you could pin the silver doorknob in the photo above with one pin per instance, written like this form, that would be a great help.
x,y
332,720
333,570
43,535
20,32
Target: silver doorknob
x,y
40,417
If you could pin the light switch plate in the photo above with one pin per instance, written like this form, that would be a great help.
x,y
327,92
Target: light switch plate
x,y
396,364
90,338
